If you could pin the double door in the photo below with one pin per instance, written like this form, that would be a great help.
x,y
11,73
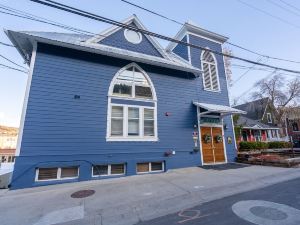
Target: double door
x,y
212,145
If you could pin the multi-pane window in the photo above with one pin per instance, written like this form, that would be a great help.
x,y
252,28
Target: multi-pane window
x,y
44,174
210,73
147,167
127,121
117,121
132,83
108,170
148,122
135,118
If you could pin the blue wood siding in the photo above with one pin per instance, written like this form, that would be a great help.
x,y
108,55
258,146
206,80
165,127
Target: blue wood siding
x,y
118,40
60,129
182,50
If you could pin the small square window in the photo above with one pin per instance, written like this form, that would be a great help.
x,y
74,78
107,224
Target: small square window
x,y
143,167
100,170
47,173
69,172
117,169
156,166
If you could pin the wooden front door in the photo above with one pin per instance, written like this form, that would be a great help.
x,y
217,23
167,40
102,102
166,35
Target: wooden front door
x,y
212,150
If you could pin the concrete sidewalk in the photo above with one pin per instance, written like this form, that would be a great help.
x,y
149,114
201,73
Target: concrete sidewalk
x,y
129,200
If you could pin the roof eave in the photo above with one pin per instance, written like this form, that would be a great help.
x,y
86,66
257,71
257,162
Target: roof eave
x,y
194,71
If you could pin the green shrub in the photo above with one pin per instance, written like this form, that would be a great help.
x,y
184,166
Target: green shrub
x,y
244,145
279,144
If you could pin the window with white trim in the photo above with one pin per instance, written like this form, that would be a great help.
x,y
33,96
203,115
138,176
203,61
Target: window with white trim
x,y
108,170
210,72
132,122
269,117
57,173
148,167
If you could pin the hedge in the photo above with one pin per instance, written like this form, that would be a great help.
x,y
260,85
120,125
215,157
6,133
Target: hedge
x,y
244,145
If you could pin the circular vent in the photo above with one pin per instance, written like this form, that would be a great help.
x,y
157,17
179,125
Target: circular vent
x,y
133,36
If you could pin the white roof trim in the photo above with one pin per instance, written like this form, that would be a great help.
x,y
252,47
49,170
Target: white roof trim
x,y
223,109
188,28
111,51
132,19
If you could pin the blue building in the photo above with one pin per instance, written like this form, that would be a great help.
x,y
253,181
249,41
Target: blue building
x,y
118,104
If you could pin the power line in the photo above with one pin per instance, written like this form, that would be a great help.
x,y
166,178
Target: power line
x,y
245,73
290,5
12,68
86,14
269,14
5,44
284,8
150,11
9,60
230,43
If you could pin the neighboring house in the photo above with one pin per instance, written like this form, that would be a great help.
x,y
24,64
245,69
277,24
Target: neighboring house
x,y
293,125
259,123
8,143
118,104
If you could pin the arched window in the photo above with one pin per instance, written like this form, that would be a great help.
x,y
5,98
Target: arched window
x,y
210,72
131,106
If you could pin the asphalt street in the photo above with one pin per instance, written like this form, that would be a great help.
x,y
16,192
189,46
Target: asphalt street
x,y
278,204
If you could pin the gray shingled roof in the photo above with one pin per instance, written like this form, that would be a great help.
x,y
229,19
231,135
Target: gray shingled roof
x,y
250,123
254,109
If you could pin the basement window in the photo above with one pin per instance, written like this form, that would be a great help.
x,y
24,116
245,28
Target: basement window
x,y
108,170
148,167
56,173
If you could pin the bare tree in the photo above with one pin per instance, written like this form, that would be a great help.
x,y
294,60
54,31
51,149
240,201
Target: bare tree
x,y
282,94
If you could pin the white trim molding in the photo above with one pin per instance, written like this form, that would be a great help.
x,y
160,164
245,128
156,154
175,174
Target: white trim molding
x,y
215,63
25,103
125,106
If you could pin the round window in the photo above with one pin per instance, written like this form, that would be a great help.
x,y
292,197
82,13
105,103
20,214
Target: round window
x,y
133,36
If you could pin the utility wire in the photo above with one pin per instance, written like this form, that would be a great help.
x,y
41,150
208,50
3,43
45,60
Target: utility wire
x,y
86,14
12,68
246,72
283,8
290,5
269,14
5,44
230,43
9,60
150,11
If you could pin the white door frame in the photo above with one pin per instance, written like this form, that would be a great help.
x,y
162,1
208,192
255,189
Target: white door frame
x,y
200,137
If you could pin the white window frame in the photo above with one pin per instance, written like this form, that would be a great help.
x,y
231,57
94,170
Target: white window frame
x,y
58,177
269,115
125,136
150,167
210,75
108,170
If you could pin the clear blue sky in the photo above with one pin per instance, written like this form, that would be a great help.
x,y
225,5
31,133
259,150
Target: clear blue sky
x,y
243,25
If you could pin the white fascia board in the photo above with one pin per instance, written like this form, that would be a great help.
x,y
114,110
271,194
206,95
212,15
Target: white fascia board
x,y
114,52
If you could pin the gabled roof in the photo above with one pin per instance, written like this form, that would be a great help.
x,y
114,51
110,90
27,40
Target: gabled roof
x,y
130,20
191,28
248,123
24,41
255,109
